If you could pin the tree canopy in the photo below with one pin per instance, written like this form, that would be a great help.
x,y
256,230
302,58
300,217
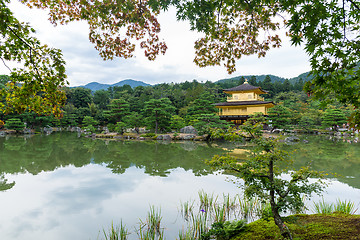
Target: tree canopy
x,y
327,29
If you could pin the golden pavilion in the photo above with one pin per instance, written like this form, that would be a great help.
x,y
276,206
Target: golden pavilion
x,y
244,101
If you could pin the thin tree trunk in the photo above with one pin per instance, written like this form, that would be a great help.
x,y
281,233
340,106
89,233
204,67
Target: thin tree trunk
x,y
156,123
275,211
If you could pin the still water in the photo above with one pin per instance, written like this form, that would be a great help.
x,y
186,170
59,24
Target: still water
x,y
64,187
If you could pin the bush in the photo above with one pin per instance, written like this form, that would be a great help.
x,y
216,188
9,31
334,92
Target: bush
x,y
14,124
149,135
224,230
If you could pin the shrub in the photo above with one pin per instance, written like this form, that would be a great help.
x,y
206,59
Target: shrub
x,y
15,124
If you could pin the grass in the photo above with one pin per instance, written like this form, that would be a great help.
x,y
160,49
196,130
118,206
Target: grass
x,y
151,228
116,233
346,207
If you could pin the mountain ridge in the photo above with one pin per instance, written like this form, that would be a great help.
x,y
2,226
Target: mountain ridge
x,y
95,86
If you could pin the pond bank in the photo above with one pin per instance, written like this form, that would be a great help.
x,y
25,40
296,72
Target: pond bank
x,y
311,227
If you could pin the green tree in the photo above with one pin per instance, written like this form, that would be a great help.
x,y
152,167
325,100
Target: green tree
x,y
81,97
205,123
120,127
89,121
14,124
101,98
177,122
134,120
4,79
333,117
307,122
158,114
267,85
328,30
262,170
35,86
279,116
118,108
202,105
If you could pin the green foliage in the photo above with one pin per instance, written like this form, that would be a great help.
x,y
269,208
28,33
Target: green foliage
x,y
158,114
177,122
333,117
205,123
89,121
116,233
224,230
261,173
14,124
280,117
149,135
118,109
203,104
120,127
102,98
344,207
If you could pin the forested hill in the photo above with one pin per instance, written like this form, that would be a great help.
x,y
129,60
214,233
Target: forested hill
x,y
94,86
254,79
260,78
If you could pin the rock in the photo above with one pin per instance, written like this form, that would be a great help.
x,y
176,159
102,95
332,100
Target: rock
x,y
189,130
163,137
188,137
27,131
141,138
292,139
277,130
2,134
199,138
105,130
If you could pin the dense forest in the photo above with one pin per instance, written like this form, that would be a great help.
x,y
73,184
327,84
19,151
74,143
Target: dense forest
x,y
168,106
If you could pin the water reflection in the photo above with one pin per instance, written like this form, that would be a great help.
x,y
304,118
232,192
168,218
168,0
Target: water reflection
x,y
329,155
70,188
48,153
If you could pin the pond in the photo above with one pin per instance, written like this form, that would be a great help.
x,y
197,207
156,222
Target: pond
x,y
64,187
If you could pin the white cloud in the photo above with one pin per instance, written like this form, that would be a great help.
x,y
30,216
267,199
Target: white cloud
x,y
84,64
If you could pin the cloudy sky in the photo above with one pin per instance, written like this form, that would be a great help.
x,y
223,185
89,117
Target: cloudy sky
x,y
84,64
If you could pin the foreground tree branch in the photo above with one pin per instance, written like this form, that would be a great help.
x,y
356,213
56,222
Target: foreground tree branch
x,y
283,195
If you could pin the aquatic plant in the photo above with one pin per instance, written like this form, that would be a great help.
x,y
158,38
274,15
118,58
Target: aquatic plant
x,y
346,207
116,233
151,228
323,207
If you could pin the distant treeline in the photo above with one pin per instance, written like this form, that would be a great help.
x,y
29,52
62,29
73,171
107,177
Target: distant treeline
x,y
170,106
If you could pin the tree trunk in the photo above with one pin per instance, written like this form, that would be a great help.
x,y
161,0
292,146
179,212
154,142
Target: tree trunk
x,y
156,123
279,222
275,211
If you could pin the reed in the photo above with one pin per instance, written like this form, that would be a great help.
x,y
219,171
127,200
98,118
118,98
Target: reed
x,y
230,206
199,226
151,228
346,207
248,208
323,207
186,209
116,233
206,200
220,213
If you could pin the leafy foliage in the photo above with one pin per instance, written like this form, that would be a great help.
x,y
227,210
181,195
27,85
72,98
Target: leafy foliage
x,y
37,85
261,174
15,124
158,113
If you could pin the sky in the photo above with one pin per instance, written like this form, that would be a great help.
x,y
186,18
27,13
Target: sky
x,y
84,65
